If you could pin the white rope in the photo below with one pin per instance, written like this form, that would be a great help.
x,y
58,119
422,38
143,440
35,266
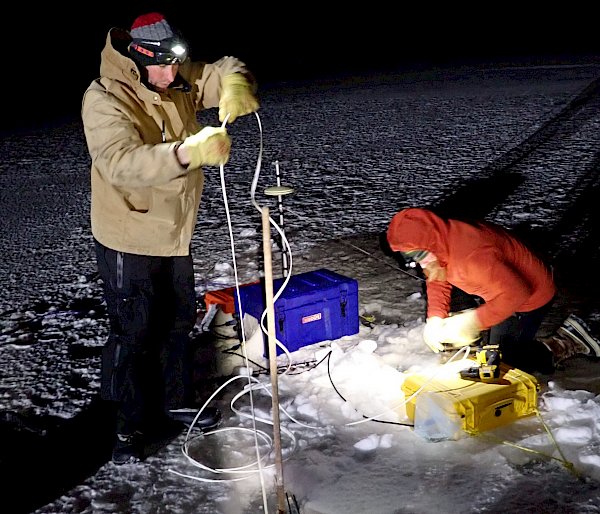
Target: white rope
x,y
259,464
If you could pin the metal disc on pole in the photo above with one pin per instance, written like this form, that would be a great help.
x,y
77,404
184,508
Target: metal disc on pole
x,y
279,190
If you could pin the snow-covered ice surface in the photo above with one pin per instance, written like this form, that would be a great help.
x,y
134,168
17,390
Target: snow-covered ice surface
x,y
515,145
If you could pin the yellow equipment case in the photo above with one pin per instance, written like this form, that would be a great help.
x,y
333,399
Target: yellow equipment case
x,y
447,400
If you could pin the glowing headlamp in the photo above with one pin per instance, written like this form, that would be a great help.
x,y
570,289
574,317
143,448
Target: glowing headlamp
x,y
414,257
168,51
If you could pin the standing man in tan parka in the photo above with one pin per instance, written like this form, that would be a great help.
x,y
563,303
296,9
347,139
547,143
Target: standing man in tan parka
x,y
147,150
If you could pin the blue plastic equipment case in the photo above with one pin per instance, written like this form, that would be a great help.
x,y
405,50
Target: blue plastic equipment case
x,y
315,306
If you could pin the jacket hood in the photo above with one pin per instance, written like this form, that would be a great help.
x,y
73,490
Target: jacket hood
x,y
419,229
115,62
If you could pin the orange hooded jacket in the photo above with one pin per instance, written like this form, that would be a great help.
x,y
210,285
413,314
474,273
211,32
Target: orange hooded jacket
x,y
481,259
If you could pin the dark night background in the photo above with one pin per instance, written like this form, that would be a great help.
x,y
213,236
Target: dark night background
x,y
57,54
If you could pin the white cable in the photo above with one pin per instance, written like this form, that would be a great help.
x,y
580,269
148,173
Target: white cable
x,y
246,470
258,465
237,283
266,388
185,447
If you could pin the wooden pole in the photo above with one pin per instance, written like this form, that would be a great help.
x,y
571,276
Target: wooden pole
x,y
266,228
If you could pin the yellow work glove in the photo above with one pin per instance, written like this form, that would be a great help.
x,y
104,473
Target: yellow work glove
x,y
461,329
210,147
433,333
237,97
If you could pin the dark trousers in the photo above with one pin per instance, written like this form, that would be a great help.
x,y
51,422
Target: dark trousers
x,y
515,335
147,359
518,345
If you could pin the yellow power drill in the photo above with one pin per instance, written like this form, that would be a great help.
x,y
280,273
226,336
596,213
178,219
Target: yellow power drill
x,y
488,360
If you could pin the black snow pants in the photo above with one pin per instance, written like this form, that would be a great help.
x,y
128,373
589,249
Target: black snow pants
x,y
518,345
147,359
516,335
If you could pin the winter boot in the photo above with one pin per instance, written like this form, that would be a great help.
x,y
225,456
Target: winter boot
x,y
572,338
563,347
128,449
577,329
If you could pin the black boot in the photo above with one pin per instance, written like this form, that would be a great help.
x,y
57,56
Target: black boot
x,y
128,449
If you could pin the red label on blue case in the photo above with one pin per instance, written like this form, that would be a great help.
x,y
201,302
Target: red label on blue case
x,y
312,317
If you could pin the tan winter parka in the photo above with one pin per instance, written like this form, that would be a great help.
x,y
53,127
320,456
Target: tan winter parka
x,y
143,201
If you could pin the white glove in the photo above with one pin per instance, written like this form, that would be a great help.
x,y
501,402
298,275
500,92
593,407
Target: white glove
x,y
433,333
210,147
462,329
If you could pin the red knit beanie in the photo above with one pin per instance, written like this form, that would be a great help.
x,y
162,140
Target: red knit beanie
x,y
153,41
152,26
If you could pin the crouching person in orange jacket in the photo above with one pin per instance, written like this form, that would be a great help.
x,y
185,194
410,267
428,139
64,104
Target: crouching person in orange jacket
x,y
514,286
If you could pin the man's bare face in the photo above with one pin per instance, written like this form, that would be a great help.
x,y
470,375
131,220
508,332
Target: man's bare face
x,y
161,76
